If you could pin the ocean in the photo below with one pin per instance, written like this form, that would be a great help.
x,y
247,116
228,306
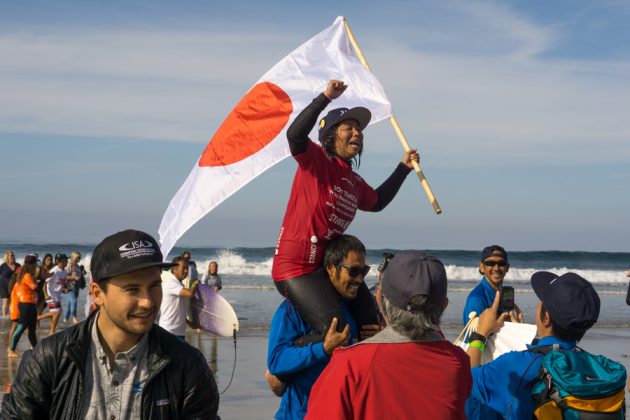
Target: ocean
x,y
248,286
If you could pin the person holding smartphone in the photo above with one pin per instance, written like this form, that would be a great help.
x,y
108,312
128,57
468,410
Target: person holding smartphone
x,y
493,266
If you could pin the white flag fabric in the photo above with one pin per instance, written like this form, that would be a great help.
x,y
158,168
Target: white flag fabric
x,y
253,136
512,336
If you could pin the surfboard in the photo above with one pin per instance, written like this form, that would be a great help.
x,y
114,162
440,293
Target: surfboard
x,y
214,314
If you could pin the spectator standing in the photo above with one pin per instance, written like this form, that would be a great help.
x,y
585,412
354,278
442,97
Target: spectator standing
x,y
27,305
212,278
76,273
569,306
175,299
408,370
55,285
7,269
117,364
192,270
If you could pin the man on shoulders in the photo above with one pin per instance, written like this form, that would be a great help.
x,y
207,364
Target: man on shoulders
x,y
175,302
408,370
300,365
117,363
568,307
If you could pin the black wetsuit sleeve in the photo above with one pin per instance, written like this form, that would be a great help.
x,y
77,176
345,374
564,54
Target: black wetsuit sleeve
x,y
297,134
389,188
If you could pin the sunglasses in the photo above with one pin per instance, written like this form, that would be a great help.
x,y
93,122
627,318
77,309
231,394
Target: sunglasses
x,y
356,270
501,263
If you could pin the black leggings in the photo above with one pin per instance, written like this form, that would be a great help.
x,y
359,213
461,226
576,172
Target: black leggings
x,y
28,320
317,301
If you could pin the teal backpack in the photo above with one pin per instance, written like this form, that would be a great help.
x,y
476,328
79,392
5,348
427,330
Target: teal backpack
x,y
578,385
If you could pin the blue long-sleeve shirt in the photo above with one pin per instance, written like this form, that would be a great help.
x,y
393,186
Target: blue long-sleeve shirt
x,y
496,384
305,363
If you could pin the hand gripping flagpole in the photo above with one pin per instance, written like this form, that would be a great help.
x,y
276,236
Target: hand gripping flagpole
x,y
394,121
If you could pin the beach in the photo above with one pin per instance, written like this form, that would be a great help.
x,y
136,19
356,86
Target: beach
x,y
249,397
250,290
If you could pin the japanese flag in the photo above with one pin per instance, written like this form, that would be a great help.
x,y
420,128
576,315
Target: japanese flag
x,y
252,138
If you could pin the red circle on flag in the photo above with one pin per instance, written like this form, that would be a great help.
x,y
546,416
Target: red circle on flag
x,y
257,119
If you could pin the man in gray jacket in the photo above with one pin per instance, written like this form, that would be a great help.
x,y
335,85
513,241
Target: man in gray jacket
x,y
117,364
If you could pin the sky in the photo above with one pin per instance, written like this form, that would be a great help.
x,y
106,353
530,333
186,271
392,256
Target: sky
x,y
520,111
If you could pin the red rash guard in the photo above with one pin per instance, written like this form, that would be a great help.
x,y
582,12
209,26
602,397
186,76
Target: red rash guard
x,y
324,199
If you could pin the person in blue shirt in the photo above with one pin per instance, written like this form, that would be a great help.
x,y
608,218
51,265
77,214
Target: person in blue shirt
x,y
293,367
569,306
493,266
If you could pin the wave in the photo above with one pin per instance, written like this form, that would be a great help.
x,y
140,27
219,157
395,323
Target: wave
x,y
523,275
257,262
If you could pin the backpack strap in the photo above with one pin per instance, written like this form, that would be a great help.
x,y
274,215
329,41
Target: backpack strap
x,y
546,349
543,350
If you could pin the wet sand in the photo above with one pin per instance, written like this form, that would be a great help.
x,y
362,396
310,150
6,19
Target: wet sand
x,y
248,395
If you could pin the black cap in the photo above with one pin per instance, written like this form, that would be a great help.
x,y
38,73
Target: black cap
x,y
30,259
570,299
335,116
125,252
412,273
60,257
494,251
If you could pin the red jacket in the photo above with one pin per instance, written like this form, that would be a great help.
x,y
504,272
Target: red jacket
x,y
393,380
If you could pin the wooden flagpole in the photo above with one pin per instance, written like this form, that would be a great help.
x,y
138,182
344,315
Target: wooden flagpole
x,y
394,121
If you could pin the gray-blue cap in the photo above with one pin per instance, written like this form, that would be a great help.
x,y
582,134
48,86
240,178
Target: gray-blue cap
x,y
360,114
412,273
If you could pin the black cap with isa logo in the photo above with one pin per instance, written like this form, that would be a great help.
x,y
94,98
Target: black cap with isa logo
x,y
125,252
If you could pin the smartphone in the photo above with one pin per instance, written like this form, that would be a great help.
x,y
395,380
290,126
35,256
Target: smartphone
x,y
507,299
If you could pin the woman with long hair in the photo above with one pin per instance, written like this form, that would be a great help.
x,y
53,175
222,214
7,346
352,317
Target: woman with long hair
x,y
212,278
27,304
7,269
325,197
14,311
47,265
75,272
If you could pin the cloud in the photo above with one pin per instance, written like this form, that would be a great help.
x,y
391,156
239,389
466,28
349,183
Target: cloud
x,y
475,80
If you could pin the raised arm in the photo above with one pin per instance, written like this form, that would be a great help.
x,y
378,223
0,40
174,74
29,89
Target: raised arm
x,y
297,134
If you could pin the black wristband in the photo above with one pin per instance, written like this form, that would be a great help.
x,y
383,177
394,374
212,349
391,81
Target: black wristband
x,y
478,337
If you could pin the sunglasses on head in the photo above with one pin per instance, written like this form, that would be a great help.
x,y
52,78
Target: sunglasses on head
x,y
501,263
356,270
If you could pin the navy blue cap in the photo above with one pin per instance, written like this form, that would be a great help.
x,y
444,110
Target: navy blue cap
x,y
494,251
570,299
125,252
335,116
412,273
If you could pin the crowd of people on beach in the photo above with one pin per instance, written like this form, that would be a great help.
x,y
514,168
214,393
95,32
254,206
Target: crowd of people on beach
x,y
39,289
335,350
